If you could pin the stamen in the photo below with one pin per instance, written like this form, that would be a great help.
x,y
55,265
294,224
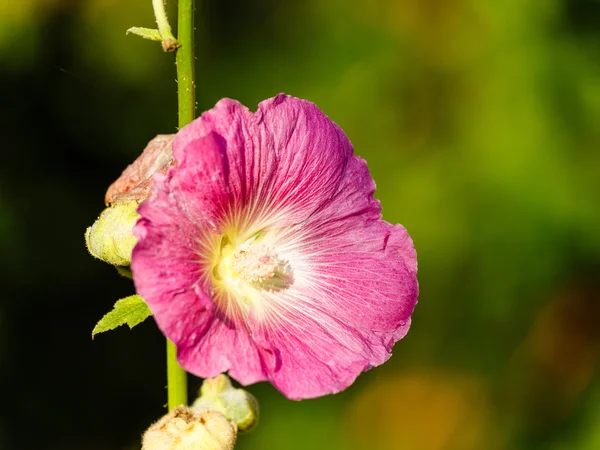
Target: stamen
x,y
244,268
261,267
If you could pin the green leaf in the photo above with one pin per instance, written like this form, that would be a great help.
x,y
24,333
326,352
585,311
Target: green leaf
x,y
131,310
147,33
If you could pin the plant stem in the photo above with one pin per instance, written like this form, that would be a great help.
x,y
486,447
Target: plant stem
x,y
176,376
185,62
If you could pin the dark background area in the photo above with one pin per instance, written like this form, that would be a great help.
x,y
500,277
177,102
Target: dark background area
x,y
480,124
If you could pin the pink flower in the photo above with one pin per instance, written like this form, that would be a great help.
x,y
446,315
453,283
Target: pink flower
x,y
262,252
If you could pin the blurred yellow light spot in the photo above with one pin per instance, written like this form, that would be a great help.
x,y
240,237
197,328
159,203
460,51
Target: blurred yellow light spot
x,y
421,411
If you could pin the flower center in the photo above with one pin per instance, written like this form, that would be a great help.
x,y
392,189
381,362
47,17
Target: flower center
x,y
252,264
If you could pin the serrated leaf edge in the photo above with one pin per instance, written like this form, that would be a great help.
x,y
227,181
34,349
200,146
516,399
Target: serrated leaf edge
x,y
118,316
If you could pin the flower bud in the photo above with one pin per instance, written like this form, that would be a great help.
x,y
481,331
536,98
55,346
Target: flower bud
x,y
110,238
185,429
237,405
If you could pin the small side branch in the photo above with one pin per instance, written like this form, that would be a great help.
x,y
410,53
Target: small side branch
x,y
163,34
169,43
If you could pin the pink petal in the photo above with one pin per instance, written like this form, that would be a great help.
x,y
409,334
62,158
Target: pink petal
x,y
167,256
288,155
349,304
219,347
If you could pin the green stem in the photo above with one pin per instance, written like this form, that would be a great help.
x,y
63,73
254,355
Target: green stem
x,y
176,377
185,62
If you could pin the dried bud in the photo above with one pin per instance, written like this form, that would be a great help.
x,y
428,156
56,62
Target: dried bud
x,y
135,183
238,405
110,238
185,429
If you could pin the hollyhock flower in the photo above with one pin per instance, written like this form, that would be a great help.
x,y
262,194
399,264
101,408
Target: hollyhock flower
x,y
262,252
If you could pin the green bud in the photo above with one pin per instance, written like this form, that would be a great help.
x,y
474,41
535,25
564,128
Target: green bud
x,y
237,405
185,429
110,238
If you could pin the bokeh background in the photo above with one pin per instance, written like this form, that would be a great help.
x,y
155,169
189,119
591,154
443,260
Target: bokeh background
x,y
480,121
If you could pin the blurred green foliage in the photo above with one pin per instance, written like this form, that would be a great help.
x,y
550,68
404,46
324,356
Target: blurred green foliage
x,y
479,121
